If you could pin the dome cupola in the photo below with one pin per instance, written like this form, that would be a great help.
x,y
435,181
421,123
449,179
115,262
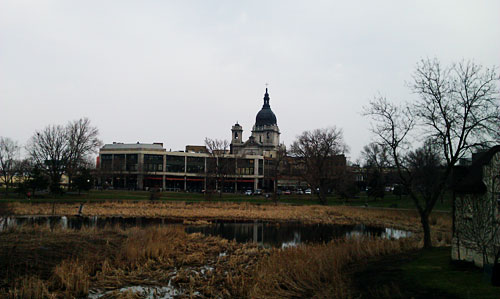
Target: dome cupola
x,y
265,117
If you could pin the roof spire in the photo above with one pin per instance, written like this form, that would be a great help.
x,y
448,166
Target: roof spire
x,y
266,99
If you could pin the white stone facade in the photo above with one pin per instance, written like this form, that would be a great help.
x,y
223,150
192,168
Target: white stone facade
x,y
477,212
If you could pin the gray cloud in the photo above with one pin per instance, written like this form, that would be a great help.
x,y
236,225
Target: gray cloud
x,y
177,72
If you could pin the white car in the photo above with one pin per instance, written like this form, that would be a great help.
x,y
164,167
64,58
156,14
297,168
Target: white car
x,y
308,192
248,192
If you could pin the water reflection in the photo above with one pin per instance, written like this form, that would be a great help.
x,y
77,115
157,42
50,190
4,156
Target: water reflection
x,y
292,234
266,234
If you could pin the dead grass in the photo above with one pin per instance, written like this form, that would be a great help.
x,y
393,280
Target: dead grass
x,y
55,263
107,261
72,278
28,287
318,271
206,211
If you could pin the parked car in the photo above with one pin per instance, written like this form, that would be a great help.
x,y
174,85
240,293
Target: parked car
x,y
300,192
257,192
248,192
287,192
308,192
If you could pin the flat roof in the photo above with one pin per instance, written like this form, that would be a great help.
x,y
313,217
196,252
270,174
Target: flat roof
x,y
125,146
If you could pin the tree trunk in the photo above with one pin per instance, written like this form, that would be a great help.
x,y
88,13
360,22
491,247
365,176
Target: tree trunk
x,y
454,232
424,219
322,196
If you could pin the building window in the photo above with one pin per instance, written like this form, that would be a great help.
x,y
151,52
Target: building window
x,y
131,162
245,167
153,163
195,165
119,162
106,162
175,163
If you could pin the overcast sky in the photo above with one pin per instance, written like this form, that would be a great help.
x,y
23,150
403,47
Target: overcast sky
x,y
179,71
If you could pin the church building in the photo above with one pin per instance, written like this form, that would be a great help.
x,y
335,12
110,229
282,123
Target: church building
x,y
265,137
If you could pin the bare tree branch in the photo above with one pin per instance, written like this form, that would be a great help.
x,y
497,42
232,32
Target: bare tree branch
x,y
9,153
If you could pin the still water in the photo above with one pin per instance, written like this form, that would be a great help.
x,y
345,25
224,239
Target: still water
x,y
264,233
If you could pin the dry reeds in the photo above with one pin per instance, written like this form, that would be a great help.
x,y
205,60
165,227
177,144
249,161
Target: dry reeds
x,y
72,277
318,271
206,211
29,287
68,263
150,244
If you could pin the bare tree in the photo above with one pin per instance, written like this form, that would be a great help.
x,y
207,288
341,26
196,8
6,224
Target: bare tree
x,y
273,169
281,154
59,150
9,152
377,161
49,149
218,166
317,153
424,171
82,141
33,178
457,110
376,155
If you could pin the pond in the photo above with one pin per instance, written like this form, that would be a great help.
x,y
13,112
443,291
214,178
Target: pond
x,y
266,234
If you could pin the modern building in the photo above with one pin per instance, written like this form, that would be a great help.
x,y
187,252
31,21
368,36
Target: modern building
x,y
247,165
142,166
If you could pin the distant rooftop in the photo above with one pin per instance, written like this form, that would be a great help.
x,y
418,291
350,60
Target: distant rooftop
x,y
123,146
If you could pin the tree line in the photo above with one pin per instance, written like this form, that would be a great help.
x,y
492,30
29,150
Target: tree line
x,y
456,113
52,152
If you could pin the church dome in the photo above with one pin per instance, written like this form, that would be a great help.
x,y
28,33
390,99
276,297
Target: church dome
x,y
266,116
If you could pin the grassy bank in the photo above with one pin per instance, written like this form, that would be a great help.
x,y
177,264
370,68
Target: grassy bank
x,y
39,262
389,201
422,274
311,214
43,263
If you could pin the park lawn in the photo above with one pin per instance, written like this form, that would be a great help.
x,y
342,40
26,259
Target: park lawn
x,y
433,270
426,273
389,201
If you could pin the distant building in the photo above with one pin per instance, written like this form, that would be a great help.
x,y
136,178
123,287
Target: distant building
x,y
476,190
142,166
265,137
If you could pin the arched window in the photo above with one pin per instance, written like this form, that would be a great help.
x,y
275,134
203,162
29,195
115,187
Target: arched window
x,y
235,135
267,135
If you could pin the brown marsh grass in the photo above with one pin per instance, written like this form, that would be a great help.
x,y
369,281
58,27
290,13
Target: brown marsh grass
x,y
318,271
206,211
40,262
68,264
